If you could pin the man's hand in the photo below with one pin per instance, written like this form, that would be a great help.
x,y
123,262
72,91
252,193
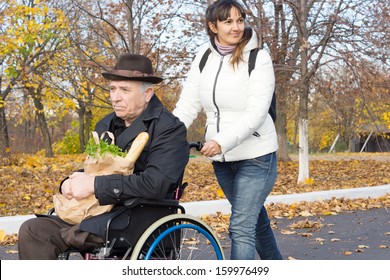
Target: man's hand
x,y
65,189
79,185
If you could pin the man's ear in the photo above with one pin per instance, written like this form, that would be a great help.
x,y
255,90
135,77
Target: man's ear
x,y
149,94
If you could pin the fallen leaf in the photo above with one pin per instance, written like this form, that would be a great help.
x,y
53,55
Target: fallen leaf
x,y
11,251
2,236
347,253
288,232
309,181
305,214
335,240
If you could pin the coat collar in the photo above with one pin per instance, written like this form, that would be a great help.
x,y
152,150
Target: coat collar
x,y
140,124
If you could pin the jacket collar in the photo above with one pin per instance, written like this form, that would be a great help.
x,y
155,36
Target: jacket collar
x,y
140,124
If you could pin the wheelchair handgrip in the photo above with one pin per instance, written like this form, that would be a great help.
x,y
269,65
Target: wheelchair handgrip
x,y
197,145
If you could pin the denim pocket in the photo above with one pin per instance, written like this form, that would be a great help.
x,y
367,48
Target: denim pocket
x,y
264,161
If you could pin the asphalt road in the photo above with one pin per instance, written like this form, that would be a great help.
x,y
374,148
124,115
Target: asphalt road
x,y
360,235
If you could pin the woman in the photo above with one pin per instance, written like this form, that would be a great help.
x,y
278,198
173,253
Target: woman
x,y
240,135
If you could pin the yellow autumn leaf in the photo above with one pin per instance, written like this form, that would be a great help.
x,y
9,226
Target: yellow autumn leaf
x,y
2,235
220,192
309,181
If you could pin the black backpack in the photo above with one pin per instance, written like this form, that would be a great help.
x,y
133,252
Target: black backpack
x,y
251,66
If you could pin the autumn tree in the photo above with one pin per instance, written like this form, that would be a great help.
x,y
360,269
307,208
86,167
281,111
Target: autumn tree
x,y
356,98
304,36
162,30
33,37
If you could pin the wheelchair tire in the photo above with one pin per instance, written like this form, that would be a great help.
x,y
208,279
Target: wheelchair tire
x,y
178,237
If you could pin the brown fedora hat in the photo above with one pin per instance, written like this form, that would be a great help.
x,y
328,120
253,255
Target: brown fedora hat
x,y
133,67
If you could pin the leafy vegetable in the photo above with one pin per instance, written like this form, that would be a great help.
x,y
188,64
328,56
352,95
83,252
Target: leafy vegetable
x,y
94,150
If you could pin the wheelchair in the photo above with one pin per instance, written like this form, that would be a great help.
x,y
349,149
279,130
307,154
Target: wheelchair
x,y
155,230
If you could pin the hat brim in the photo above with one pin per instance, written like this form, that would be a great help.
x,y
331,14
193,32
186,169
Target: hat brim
x,y
148,79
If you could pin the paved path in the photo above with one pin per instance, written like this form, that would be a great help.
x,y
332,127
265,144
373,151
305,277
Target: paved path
x,y
360,235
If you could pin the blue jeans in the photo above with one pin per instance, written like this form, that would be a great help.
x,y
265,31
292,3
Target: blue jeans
x,y
246,184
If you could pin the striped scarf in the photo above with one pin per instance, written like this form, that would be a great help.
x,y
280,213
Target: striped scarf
x,y
223,50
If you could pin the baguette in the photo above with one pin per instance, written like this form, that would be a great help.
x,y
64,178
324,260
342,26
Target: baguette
x,y
137,146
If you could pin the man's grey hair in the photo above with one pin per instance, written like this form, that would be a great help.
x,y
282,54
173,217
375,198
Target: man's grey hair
x,y
145,86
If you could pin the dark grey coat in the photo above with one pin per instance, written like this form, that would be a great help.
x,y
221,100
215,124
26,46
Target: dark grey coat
x,y
161,163
157,171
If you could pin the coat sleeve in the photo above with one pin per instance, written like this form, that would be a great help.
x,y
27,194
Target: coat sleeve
x,y
261,88
165,162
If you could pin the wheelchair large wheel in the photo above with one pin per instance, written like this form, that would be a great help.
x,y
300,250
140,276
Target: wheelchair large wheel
x,y
178,237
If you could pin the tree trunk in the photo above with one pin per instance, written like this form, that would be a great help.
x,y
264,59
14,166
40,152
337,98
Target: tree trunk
x,y
42,122
303,127
303,114
303,130
81,113
88,121
4,138
281,123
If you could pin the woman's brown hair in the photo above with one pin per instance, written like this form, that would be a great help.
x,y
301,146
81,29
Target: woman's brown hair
x,y
220,11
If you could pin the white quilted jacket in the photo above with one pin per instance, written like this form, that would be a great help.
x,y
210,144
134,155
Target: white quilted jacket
x,y
236,105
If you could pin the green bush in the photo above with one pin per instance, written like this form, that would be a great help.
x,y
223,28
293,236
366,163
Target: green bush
x,y
70,144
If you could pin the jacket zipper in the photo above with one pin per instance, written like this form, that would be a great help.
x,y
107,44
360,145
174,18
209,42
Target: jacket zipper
x,y
215,85
214,101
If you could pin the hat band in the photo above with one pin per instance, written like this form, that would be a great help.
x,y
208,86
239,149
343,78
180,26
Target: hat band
x,y
128,73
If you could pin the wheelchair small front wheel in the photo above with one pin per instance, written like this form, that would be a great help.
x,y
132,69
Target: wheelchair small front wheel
x,y
178,237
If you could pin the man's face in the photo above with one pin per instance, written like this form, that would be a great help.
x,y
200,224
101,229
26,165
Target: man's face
x,y
127,99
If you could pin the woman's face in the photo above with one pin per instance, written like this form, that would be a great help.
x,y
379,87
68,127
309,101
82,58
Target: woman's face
x,y
230,31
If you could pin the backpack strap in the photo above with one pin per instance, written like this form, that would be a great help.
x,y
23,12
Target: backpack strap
x,y
252,60
203,60
251,66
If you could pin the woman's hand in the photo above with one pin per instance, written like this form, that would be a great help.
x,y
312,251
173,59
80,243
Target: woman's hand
x,y
211,149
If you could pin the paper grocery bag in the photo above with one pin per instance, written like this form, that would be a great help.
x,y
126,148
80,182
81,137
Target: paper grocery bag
x,y
74,211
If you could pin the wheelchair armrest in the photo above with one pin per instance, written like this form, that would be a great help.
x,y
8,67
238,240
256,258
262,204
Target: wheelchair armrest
x,y
133,202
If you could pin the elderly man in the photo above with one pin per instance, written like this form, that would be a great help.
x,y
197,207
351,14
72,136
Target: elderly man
x,y
157,171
